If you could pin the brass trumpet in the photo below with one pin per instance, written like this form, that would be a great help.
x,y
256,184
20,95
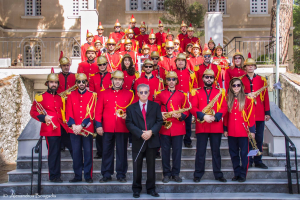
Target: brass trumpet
x,y
88,133
42,111
120,113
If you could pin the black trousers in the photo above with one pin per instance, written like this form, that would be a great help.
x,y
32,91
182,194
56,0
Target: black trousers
x,y
54,153
188,129
107,167
238,149
215,142
166,143
259,137
150,154
79,142
99,144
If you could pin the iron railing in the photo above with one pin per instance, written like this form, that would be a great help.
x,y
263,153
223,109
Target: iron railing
x,y
289,146
37,149
262,49
37,51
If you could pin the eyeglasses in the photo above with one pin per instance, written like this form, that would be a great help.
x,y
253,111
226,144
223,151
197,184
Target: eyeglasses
x,y
208,77
83,81
170,48
117,26
152,39
154,58
237,58
102,64
236,85
143,92
111,44
171,79
148,66
206,56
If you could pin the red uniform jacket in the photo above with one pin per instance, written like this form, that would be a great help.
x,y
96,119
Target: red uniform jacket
x,y
170,101
231,73
114,61
108,103
154,83
87,68
159,72
186,80
129,80
193,61
153,47
223,64
181,37
135,45
176,52
168,63
160,38
262,103
116,36
188,40
133,55
142,39
136,31
54,107
200,100
65,81
101,38
100,82
200,70
234,120
80,109
84,47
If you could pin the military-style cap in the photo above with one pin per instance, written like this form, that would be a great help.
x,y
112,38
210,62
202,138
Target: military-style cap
x,y
101,60
81,77
169,44
111,41
89,34
117,74
52,77
152,35
160,24
154,54
190,28
181,56
147,61
63,60
183,24
132,19
91,48
100,27
209,72
117,23
249,60
176,41
206,50
143,25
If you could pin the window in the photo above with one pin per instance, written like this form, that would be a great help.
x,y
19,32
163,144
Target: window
x,y
217,6
33,8
76,51
145,5
33,55
258,7
79,5
160,5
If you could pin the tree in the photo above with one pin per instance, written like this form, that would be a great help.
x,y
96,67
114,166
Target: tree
x,y
177,11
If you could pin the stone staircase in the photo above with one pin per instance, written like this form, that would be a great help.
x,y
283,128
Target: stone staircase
x,y
272,180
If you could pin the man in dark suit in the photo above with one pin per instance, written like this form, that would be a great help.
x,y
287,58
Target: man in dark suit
x,y
144,120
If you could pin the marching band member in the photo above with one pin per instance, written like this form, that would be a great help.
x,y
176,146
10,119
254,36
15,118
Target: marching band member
x,y
48,108
135,43
100,37
177,48
168,61
133,54
171,134
186,82
257,87
190,38
188,50
130,73
199,70
142,38
66,78
145,53
157,70
208,107
118,34
236,70
240,116
136,30
183,34
85,46
211,45
160,37
113,59
152,39
98,46
89,66
220,60
196,58
110,123
154,82
80,116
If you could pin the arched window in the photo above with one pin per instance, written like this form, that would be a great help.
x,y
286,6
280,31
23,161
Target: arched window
x,y
33,55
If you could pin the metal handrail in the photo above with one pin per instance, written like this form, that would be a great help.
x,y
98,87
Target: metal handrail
x,y
37,149
289,146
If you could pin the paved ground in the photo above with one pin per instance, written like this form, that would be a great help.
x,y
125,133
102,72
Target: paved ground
x,y
3,172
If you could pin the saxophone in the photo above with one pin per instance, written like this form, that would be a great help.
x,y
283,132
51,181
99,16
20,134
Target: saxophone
x,y
256,93
64,93
207,110
168,124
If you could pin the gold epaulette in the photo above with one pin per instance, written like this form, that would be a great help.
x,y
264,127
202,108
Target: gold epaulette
x,y
161,58
194,90
92,75
39,97
161,80
196,68
137,75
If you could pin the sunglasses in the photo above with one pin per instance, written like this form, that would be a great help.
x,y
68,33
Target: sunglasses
x,y
117,26
206,56
154,58
148,66
111,44
152,39
176,44
171,79
169,48
78,82
208,77
143,92
102,64
236,85
237,58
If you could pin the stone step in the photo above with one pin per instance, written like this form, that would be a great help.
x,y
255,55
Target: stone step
x,y
173,196
186,163
23,175
187,186
185,152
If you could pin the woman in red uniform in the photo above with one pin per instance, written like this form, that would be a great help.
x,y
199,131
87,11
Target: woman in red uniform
x,y
220,60
238,121
130,74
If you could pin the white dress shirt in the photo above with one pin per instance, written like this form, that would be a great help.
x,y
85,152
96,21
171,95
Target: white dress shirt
x,y
141,105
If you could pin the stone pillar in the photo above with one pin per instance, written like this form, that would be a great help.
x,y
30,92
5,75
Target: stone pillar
x,y
213,24
139,5
154,4
89,21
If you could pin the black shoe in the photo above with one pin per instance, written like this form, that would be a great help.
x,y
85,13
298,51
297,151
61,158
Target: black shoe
x,y
62,149
157,156
166,179
242,179
98,157
235,178
136,195
105,179
250,165
221,179
56,180
89,180
122,180
74,180
188,145
177,179
196,180
261,165
153,193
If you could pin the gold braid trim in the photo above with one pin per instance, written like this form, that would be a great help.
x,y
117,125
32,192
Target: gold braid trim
x,y
223,95
129,102
89,107
246,118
